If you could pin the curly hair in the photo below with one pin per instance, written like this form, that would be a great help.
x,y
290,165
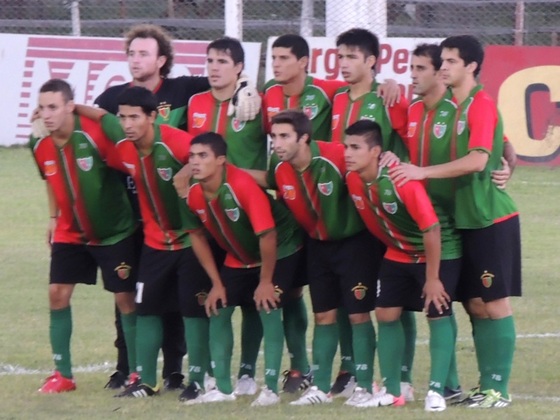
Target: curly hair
x,y
162,38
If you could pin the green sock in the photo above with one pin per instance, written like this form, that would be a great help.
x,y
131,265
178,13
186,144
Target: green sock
x,y
325,339
441,350
251,337
128,322
60,333
408,321
363,340
221,347
479,345
149,338
453,375
197,335
345,340
273,347
390,348
295,329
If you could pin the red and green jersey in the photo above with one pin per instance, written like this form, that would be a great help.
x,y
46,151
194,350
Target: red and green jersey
x,y
246,140
398,216
238,214
318,196
478,201
392,120
164,215
430,142
92,202
315,100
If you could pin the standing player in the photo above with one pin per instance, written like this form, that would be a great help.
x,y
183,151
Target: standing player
x,y
263,245
486,216
405,220
91,222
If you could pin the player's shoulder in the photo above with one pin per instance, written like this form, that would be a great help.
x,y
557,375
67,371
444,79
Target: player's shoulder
x,y
173,134
271,85
108,98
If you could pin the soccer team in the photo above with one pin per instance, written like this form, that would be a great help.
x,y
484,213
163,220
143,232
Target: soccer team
x,y
378,205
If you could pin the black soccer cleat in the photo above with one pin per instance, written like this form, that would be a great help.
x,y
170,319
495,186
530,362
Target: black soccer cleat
x,y
191,392
294,381
116,381
138,390
174,382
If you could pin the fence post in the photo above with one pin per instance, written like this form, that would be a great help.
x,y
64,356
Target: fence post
x,y
307,17
75,16
368,14
234,18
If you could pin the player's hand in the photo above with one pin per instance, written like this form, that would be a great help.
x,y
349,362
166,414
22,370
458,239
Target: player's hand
x,y
265,297
434,293
182,181
405,172
50,230
390,92
38,129
500,177
217,294
388,158
246,100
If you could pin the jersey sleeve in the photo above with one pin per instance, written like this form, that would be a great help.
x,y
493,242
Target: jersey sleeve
x,y
330,86
112,128
32,144
255,203
179,140
482,118
418,204
398,114
271,172
191,222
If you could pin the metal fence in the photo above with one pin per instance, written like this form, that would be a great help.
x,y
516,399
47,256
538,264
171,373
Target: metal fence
x,y
509,22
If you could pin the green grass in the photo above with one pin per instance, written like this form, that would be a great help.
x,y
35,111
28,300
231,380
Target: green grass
x,y
24,260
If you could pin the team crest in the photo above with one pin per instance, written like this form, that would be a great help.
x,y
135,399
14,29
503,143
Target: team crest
x,y
289,192
164,173
439,130
326,188
358,202
271,111
50,167
487,279
86,163
199,120
460,127
201,298
201,215
390,208
367,117
237,125
411,129
311,111
123,271
164,110
131,168
335,120
233,214
277,291
360,291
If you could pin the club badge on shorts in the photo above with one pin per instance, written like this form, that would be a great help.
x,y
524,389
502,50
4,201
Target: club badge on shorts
x,y
278,292
201,298
487,279
359,291
123,270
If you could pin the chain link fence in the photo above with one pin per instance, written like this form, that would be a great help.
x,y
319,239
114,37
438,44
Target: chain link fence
x,y
506,22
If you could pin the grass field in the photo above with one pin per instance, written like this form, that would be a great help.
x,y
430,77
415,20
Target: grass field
x,y
25,357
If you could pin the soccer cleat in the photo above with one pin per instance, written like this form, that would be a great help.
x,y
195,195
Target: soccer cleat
x,y
138,390
133,378
56,383
383,399
209,382
343,386
266,397
360,396
294,381
451,394
174,382
492,399
313,396
434,402
407,390
245,386
212,396
191,392
116,381
474,395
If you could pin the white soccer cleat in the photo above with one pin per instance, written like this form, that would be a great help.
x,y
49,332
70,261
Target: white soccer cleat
x,y
407,390
343,386
245,386
434,402
209,382
383,399
313,396
360,396
212,396
266,397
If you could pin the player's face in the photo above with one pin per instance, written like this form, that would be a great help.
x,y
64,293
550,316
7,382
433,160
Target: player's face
x,y
135,123
143,60
286,66
222,71
453,69
204,163
354,65
285,141
357,154
424,76
54,110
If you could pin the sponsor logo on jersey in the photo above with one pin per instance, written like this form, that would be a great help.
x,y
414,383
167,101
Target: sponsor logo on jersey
x,y
201,215
164,173
82,146
278,292
123,270
271,111
325,188
358,202
85,164
131,168
164,110
439,130
311,110
309,97
237,125
289,192
359,291
411,129
50,167
460,127
367,117
201,298
233,214
443,113
487,279
335,120
388,192
199,119
371,106
390,208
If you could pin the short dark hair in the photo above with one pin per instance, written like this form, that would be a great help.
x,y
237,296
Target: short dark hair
x,y
370,130
214,140
163,39
297,119
366,41
58,85
230,46
470,49
138,96
432,51
296,43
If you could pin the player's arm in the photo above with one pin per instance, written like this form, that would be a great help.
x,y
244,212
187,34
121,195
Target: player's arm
x,y
90,112
53,213
501,176
433,291
260,177
182,181
390,92
265,296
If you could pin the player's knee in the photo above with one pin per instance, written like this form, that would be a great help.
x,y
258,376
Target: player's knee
x,y
498,309
325,318
125,302
59,295
359,318
476,308
387,314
